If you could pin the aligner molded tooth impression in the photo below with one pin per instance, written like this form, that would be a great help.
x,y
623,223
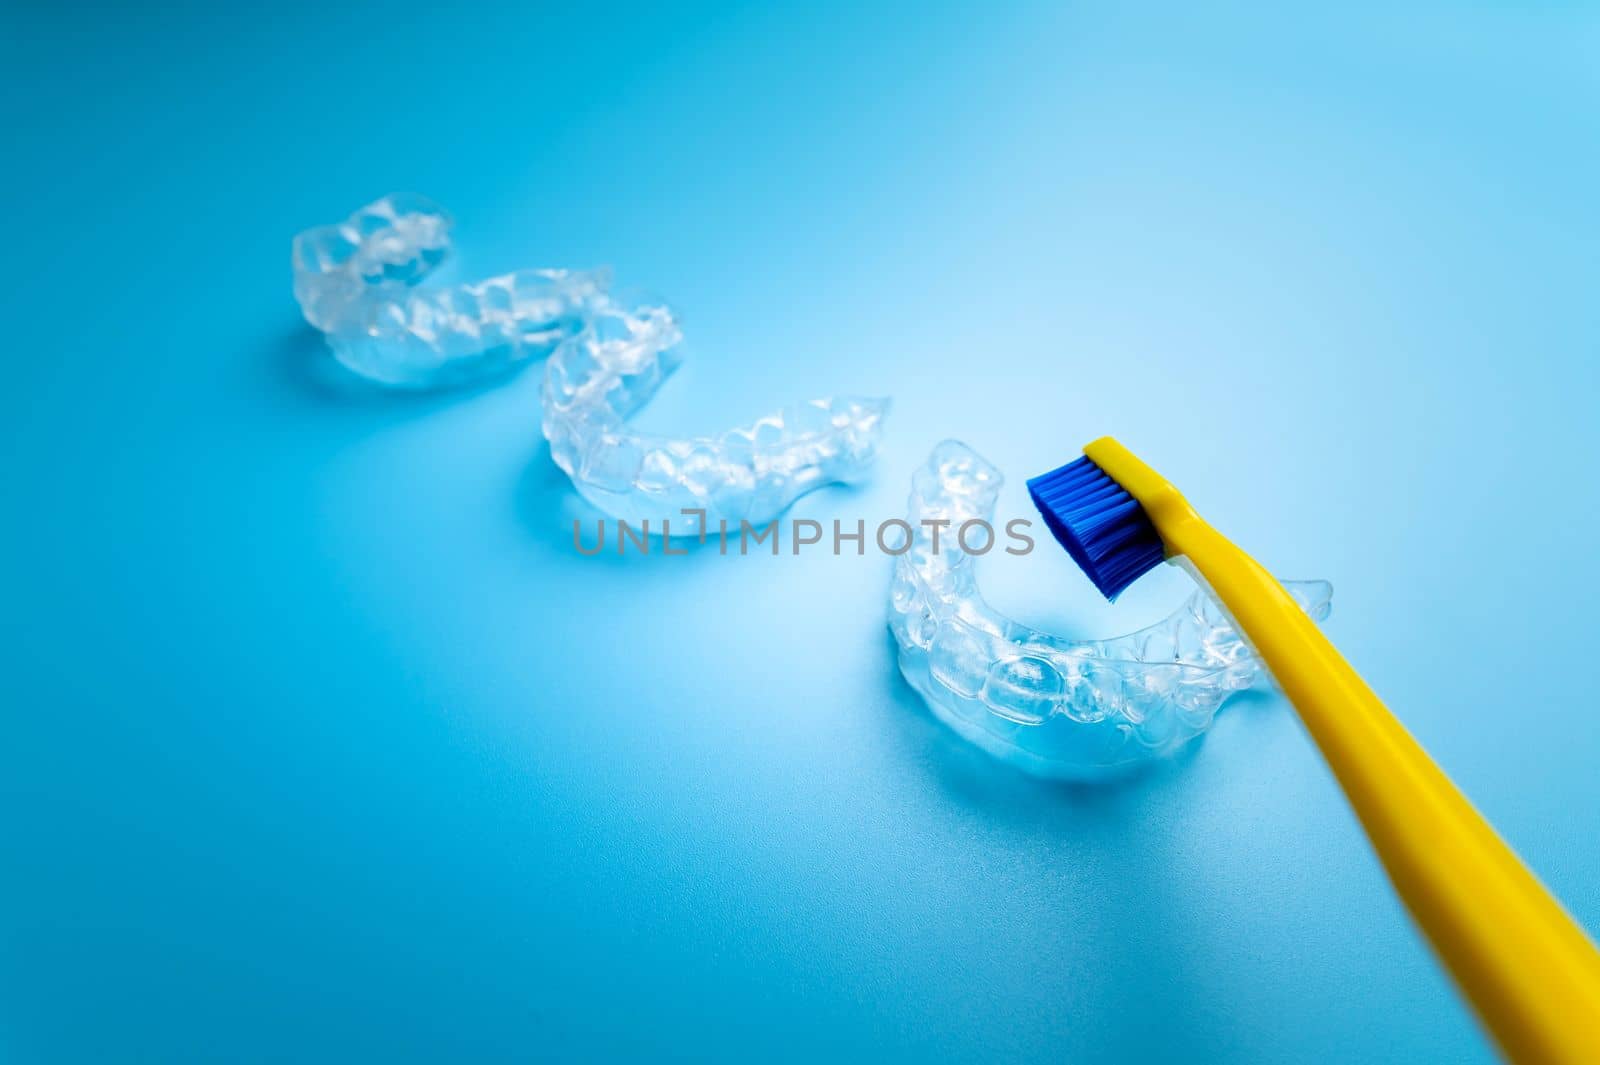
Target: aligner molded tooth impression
x,y
616,363
355,283
1054,706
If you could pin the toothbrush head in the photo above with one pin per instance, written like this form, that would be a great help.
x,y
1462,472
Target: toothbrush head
x,y
1102,526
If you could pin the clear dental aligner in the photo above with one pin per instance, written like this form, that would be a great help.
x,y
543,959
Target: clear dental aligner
x,y
1053,706
355,282
700,485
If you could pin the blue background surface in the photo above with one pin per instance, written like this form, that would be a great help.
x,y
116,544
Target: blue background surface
x,y
321,744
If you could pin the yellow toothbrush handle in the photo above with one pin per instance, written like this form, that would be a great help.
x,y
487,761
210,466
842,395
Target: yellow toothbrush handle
x,y
1528,969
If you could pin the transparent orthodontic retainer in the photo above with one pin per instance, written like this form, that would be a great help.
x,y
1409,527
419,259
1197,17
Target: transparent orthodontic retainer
x,y
1055,707
615,364
356,282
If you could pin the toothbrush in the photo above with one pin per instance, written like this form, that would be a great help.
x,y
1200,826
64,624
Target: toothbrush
x,y
1529,970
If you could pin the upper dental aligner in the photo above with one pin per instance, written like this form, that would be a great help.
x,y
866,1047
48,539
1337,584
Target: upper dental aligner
x,y
615,365
1054,706
355,283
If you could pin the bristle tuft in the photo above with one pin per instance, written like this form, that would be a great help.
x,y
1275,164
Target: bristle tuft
x,y
1103,528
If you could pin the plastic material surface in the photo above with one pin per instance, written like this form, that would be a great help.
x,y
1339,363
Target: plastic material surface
x,y
356,283
1053,706
686,485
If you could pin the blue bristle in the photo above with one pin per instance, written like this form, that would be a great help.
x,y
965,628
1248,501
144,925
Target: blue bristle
x,y
1102,527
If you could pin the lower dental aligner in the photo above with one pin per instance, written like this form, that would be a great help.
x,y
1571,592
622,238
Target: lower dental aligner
x,y
355,282
688,486
1053,706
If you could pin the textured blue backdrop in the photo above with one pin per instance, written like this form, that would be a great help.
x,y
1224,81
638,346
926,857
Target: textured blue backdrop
x,y
320,744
